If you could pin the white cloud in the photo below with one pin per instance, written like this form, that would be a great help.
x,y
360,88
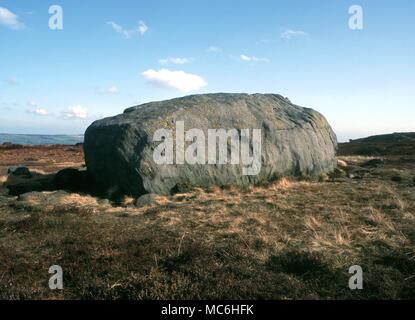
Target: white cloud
x,y
180,61
245,58
290,34
35,109
129,33
110,90
39,112
10,20
142,27
214,49
113,90
252,58
184,82
75,112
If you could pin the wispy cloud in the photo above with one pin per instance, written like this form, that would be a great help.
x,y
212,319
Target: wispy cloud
x,y
179,80
75,112
129,33
110,90
244,57
10,105
39,112
35,109
10,20
291,34
179,61
214,49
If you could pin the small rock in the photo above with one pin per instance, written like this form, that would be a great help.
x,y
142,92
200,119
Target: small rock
x,y
146,200
20,171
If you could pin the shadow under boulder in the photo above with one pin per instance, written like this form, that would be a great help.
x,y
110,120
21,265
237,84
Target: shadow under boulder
x,y
74,180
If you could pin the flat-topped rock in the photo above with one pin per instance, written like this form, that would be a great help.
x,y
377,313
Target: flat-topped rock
x,y
294,141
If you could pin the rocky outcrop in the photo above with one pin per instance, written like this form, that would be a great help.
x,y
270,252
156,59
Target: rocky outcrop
x,y
293,141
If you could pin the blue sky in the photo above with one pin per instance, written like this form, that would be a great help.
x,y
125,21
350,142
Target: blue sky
x,y
111,55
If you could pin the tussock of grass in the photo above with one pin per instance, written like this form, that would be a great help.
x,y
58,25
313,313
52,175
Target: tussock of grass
x,y
58,202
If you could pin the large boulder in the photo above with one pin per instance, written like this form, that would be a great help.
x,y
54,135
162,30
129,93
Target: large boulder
x,y
295,141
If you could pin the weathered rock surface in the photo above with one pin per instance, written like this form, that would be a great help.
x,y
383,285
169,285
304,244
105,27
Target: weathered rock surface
x,y
296,141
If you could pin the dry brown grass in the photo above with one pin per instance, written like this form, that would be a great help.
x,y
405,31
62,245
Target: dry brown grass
x,y
58,202
290,239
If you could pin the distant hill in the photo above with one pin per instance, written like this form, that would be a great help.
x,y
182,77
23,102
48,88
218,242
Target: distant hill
x,y
387,144
35,139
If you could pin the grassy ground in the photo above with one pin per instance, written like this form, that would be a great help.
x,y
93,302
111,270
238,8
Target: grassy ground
x,y
287,240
